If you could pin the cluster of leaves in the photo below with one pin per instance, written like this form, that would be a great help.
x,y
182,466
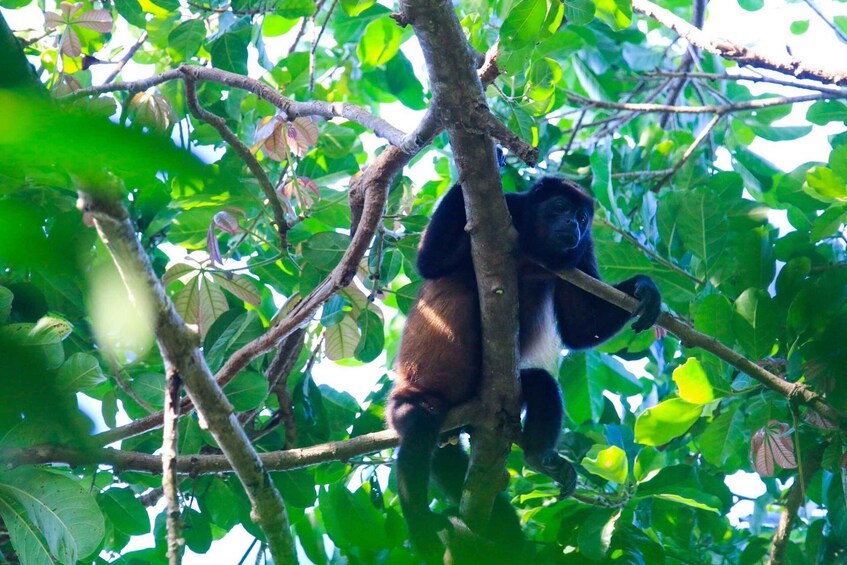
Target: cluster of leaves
x,y
652,462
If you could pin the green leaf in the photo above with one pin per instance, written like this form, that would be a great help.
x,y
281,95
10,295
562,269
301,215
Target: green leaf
x,y
342,339
295,9
356,7
150,387
824,111
80,372
125,511
406,296
196,531
609,463
579,12
751,5
756,322
132,12
666,421
683,484
617,14
247,390
6,298
324,250
799,27
702,225
524,24
379,44
825,185
595,535
63,514
713,316
372,341
229,53
725,437
648,462
297,487
784,133
187,38
694,385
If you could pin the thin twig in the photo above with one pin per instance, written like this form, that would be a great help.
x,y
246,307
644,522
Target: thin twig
x,y
129,55
708,109
246,155
704,133
840,34
317,39
649,252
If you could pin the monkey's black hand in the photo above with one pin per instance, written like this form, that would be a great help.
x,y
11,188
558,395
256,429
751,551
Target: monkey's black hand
x,y
557,468
649,303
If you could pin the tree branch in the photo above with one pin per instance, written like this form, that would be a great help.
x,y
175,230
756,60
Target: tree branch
x,y
728,50
246,155
709,109
170,485
691,338
181,355
459,99
195,465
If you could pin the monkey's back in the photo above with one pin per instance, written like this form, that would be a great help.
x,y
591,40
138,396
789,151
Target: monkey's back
x,y
440,352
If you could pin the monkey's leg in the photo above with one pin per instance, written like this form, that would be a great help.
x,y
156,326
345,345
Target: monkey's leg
x,y
542,424
418,420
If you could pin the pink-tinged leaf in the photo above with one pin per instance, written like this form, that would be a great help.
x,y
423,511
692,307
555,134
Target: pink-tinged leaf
x,y
240,286
761,458
212,246
819,421
275,146
52,20
772,446
302,134
69,10
227,222
152,110
177,271
70,43
97,20
781,443
297,188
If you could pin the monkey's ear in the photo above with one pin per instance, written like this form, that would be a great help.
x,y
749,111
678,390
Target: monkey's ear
x,y
501,157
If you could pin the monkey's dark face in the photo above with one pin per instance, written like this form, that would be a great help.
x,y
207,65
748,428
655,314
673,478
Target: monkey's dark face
x,y
560,224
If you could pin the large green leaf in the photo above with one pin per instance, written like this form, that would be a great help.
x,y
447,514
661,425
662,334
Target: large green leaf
x,y
609,463
524,24
125,511
50,516
756,322
693,384
379,44
666,421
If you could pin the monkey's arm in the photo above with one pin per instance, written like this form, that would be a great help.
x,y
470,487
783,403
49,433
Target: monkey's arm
x,y
446,247
585,320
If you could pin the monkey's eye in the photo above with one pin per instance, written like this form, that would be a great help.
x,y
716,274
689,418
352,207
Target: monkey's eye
x,y
582,218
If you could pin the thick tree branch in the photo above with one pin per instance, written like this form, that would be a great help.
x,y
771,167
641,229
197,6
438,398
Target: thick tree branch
x,y
181,354
728,50
459,100
170,485
691,338
204,464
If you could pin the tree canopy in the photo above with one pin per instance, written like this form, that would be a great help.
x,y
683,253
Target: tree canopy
x,y
203,201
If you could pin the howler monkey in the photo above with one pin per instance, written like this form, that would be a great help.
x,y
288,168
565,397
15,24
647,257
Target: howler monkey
x,y
439,363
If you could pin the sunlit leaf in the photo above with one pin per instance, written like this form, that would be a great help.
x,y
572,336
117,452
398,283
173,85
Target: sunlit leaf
x,y
694,385
609,463
665,421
